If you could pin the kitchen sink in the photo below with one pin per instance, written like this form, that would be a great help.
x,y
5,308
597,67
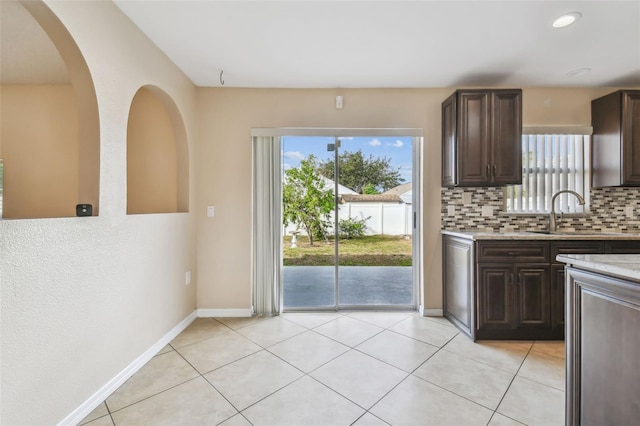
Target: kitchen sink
x,y
572,232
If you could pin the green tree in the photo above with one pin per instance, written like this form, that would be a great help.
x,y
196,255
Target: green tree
x,y
307,199
359,172
370,189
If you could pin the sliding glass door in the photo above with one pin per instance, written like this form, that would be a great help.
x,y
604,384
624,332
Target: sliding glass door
x,y
349,230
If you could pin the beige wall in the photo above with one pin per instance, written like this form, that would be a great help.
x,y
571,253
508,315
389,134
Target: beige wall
x,y
83,298
40,150
224,164
152,167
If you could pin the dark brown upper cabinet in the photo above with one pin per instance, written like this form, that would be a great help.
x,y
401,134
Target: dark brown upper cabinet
x,y
615,160
482,138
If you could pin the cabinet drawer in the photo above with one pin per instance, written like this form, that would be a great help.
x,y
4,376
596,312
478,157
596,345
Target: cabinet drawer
x,y
521,251
622,247
575,247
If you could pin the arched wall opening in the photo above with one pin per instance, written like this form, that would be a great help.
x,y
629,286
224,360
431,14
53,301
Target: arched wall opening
x,y
157,155
50,136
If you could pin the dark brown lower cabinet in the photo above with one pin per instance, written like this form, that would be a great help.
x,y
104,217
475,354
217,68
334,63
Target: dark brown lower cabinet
x,y
512,289
603,343
513,301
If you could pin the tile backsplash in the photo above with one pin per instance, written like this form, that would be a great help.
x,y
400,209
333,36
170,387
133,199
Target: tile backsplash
x,y
483,209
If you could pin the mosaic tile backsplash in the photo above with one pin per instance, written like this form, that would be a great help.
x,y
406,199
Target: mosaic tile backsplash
x,y
483,209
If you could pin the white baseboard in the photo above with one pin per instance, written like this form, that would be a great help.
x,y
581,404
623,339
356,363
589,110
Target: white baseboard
x,y
224,313
97,398
429,312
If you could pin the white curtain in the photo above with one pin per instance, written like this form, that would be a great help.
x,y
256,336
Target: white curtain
x,y
267,225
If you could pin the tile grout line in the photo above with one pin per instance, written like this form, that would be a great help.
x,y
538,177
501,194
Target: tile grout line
x,y
323,384
211,384
408,374
481,362
109,412
268,350
442,348
510,384
150,396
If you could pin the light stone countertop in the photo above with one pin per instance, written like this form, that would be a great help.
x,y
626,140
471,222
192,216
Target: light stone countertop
x,y
626,266
530,235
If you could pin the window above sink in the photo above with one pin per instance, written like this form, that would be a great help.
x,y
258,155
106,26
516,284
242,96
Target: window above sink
x,y
551,162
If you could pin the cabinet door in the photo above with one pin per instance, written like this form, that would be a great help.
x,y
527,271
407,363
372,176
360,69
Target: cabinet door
x,y
506,137
631,138
603,367
495,298
557,289
449,146
532,295
473,138
457,272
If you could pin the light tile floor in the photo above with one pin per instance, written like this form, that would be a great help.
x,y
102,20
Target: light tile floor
x,y
351,368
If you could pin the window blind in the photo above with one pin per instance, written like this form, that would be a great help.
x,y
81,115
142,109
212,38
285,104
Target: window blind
x,y
551,163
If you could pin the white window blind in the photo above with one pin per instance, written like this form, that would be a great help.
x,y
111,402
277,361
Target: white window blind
x,y
551,163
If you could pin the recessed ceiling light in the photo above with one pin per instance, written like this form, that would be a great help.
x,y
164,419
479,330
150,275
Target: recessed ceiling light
x,y
579,72
566,19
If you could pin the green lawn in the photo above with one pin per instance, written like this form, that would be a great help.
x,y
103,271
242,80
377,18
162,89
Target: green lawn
x,y
374,250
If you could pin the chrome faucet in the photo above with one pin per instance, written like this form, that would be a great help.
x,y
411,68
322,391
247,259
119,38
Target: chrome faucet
x,y
552,216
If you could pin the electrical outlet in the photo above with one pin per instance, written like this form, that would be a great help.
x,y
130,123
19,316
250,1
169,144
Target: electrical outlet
x,y
628,210
466,198
187,278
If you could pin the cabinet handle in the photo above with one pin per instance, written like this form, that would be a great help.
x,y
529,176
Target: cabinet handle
x,y
513,253
488,170
494,170
512,281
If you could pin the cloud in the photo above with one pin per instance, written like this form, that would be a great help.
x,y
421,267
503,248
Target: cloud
x,y
374,142
397,144
287,166
294,155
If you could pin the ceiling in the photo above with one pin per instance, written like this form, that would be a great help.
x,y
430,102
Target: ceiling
x,y
340,44
351,44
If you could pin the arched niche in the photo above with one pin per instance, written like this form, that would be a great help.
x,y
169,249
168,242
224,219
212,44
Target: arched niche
x,y
50,135
157,155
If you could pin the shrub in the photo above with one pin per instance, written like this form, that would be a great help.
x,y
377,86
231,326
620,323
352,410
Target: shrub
x,y
352,227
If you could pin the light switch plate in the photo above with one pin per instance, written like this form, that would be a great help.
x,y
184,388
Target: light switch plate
x,y
210,211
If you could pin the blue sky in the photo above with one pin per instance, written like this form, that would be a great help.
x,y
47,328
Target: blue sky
x,y
397,149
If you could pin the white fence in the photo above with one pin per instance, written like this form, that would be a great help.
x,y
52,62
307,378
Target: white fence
x,y
384,218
